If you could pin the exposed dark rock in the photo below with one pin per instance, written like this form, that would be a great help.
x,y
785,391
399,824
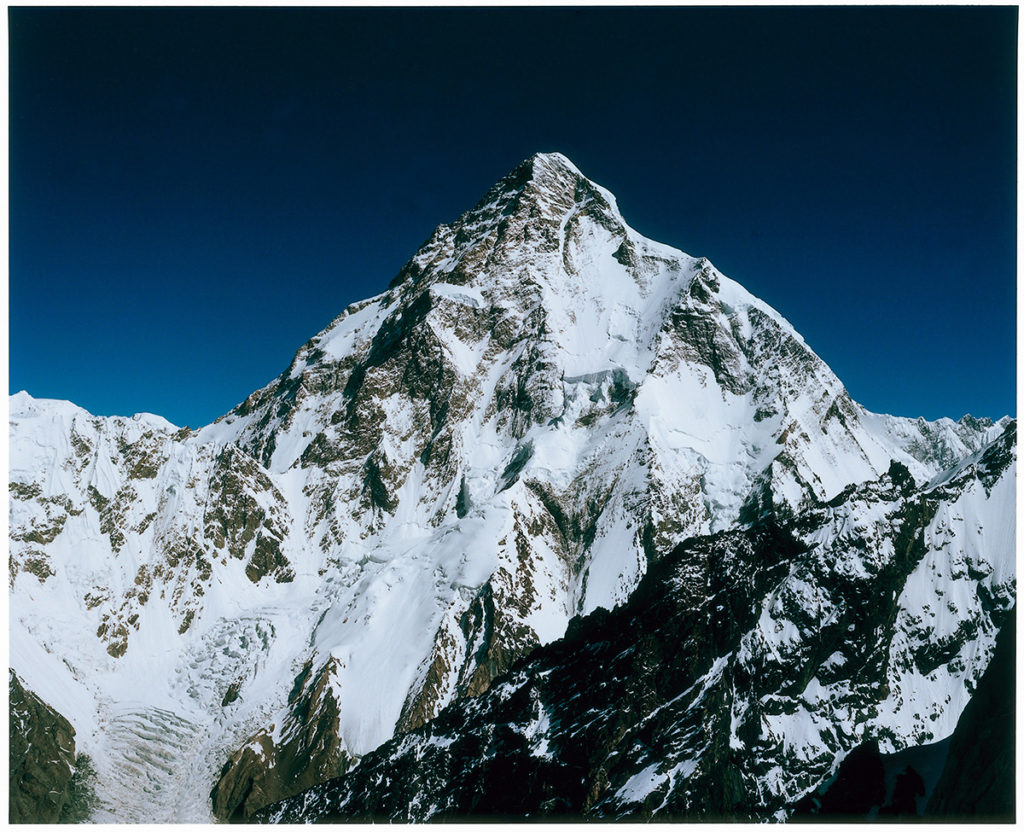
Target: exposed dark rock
x,y
231,694
496,639
24,490
908,789
516,465
48,782
462,501
859,787
310,751
235,520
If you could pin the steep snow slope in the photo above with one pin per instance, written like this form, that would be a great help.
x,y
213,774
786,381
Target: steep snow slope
x,y
736,678
541,403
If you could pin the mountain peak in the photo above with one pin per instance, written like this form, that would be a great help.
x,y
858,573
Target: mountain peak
x,y
554,158
552,174
552,164
528,213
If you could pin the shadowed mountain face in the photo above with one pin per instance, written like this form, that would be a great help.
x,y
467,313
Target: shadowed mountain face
x,y
541,405
977,782
966,778
735,679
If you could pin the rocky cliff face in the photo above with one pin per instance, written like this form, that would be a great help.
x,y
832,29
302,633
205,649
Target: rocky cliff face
x,y
736,678
49,783
541,404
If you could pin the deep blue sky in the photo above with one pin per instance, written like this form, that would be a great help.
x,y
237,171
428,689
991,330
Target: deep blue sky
x,y
196,192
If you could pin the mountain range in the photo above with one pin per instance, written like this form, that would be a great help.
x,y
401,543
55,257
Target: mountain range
x,y
563,523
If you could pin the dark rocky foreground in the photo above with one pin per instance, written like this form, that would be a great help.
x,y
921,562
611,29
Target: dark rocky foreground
x,y
48,782
977,782
967,778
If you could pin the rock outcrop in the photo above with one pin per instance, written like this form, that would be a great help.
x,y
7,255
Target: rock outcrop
x,y
48,781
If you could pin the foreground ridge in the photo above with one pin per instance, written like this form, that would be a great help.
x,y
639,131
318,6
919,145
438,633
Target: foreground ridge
x,y
735,679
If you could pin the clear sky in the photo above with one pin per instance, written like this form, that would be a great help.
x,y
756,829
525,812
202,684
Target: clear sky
x,y
196,192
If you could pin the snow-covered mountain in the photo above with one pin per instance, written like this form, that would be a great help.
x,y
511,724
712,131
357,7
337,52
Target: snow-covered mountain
x,y
541,405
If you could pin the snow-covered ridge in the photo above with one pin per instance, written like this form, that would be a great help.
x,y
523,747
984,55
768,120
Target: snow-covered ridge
x,y
542,403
